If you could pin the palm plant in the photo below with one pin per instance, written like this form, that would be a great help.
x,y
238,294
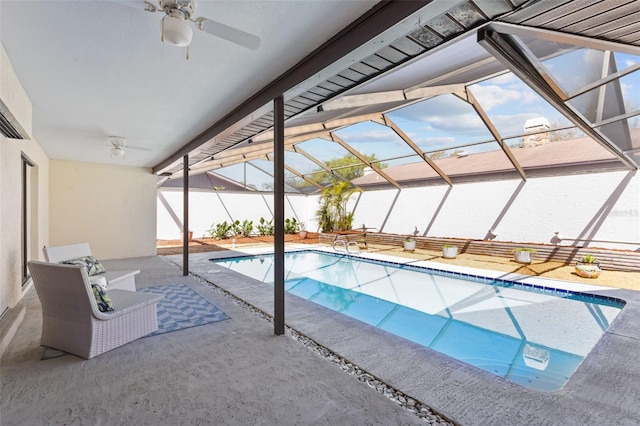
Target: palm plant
x,y
332,214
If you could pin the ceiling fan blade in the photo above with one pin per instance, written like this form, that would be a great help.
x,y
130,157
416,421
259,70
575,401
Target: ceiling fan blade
x,y
226,32
138,148
120,142
130,147
147,5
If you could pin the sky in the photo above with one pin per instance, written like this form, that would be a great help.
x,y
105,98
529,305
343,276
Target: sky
x,y
445,122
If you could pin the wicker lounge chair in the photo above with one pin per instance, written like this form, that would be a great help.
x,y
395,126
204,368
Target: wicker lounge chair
x,y
71,320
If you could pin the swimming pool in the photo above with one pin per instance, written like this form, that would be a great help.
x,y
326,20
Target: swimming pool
x,y
534,336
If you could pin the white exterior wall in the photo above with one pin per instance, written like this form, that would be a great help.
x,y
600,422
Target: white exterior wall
x,y
16,102
18,105
113,208
11,151
207,208
597,209
603,208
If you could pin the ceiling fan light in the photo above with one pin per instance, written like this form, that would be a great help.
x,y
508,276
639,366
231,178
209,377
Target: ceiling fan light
x,y
176,31
117,152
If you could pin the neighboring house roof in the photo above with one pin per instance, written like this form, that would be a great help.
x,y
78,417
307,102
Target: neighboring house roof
x,y
207,180
554,155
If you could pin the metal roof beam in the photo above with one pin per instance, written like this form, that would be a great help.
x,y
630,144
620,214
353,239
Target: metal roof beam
x,y
320,164
362,158
368,99
508,51
431,91
494,132
563,38
295,139
443,77
286,185
246,150
290,131
378,19
271,158
615,76
301,176
230,160
616,118
389,123
339,123
313,129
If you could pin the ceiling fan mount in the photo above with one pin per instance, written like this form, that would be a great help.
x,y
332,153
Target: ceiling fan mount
x,y
177,8
177,30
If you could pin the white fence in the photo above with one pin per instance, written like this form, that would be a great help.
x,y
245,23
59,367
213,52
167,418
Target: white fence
x,y
597,209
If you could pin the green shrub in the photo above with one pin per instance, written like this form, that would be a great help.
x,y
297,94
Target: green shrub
x,y
236,228
220,230
291,226
246,229
265,227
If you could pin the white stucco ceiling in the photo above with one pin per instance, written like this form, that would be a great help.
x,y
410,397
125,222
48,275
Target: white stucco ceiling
x,y
98,68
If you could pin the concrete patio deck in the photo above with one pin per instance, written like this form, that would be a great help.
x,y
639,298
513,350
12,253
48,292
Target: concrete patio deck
x,y
604,389
234,372
238,372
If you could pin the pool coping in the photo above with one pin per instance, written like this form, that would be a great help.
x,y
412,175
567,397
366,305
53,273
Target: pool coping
x,y
606,384
525,282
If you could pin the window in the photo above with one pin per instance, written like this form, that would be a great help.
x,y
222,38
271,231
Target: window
x,y
26,215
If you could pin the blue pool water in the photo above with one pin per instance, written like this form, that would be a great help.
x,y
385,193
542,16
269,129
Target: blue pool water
x,y
529,335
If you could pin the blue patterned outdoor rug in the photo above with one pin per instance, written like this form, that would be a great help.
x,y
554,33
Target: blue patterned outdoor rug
x,y
182,308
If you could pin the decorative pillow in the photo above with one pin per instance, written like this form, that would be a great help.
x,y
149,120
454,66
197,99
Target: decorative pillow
x,y
100,280
102,299
91,263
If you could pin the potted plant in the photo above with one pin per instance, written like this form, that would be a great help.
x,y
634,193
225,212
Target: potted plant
x,y
362,243
523,254
449,251
302,233
588,267
409,244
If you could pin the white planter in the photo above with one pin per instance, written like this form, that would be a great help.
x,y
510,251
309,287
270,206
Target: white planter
x,y
523,256
588,270
409,245
449,252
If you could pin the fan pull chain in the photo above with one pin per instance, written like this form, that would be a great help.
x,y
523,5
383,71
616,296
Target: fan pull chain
x,y
162,32
188,57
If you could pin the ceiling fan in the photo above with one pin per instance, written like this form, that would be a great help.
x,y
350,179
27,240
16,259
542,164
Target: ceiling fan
x,y
177,30
118,144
